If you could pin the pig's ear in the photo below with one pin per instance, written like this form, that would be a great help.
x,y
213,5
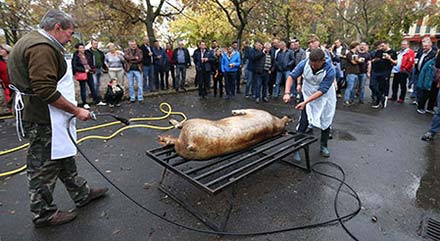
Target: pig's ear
x,y
166,140
287,120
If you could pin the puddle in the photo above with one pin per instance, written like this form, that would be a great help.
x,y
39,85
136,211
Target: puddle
x,y
343,135
428,194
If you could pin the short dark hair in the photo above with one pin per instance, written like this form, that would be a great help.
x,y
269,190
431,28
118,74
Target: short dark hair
x,y
234,42
78,45
353,44
155,41
316,55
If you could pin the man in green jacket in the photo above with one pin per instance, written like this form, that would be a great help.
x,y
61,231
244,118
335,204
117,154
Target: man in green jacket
x,y
44,101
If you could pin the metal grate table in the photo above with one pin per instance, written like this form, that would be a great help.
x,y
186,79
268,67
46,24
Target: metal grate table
x,y
214,175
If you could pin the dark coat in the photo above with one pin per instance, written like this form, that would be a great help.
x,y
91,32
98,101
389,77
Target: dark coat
x,y
205,66
91,59
430,56
254,57
77,66
146,59
187,57
285,60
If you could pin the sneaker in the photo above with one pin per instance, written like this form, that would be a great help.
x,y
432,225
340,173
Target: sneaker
x,y
414,103
247,96
111,105
101,104
347,103
430,112
428,136
324,151
296,156
376,106
118,105
60,217
86,106
339,95
265,99
385,101
400,101
94,193
421,111
257,100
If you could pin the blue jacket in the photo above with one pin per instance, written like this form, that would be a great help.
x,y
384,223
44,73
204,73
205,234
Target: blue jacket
x,y
235,59
426,75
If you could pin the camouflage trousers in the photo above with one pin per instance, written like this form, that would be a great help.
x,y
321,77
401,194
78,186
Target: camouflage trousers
x,y
43,172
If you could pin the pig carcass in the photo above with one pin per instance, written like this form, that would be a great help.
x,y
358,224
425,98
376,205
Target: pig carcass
x,y
202,139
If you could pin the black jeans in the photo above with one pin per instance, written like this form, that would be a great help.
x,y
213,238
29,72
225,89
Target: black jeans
x,y
159,74
378,85
272,80
304,123
237,79
400,79
218,84
203,82
230,83
429,96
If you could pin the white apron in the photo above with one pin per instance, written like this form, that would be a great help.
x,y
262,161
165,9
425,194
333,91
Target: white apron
x,y
321,111
62,146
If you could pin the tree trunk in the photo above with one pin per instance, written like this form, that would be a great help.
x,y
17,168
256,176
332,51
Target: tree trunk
x,y
240,35
150,30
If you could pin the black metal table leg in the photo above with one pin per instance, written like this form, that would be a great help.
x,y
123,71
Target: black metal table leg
x,y
306,153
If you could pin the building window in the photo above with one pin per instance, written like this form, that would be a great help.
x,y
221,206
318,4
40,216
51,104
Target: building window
x,y
428,30
418,29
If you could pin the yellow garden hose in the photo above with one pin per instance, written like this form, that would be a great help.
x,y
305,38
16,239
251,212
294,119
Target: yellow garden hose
x,y
168,112
6,117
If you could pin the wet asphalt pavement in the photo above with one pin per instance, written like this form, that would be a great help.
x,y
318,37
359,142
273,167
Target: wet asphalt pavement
x,y
396,176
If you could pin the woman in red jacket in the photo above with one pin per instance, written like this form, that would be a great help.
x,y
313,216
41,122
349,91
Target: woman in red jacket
x,y
4,81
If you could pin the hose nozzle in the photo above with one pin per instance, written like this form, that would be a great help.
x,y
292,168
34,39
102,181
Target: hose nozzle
x,y
123,120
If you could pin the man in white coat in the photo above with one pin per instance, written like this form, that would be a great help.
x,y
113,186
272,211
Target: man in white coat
x,y
318,89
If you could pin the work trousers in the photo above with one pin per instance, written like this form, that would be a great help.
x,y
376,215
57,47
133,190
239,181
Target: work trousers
x,y
43,172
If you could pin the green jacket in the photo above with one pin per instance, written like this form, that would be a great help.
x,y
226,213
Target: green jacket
x,y
35,66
